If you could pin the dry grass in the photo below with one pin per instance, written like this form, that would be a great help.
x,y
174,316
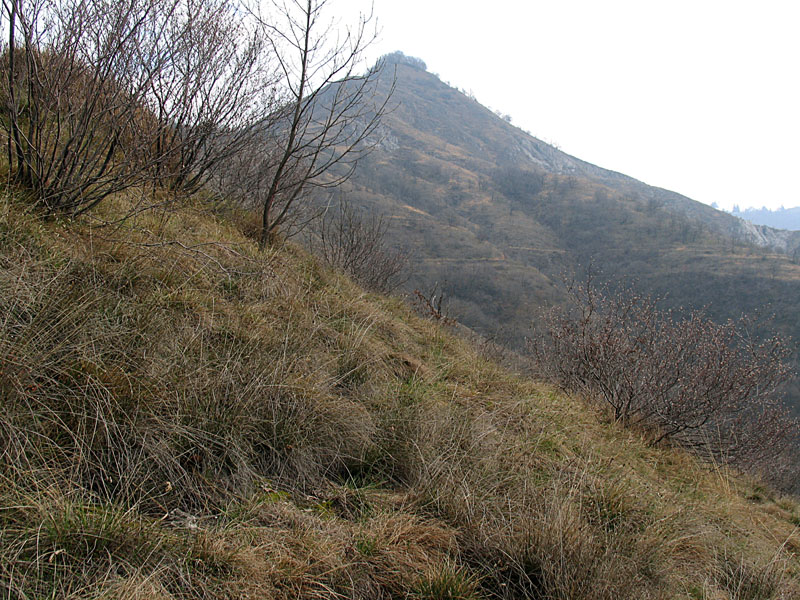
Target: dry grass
x,y
198,420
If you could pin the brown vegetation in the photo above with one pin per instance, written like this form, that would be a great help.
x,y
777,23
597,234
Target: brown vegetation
x,y
501,216
104,97
187,414
206,420
355,243
684,379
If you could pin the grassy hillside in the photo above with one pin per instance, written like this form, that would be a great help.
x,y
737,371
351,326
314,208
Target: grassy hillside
x,y
185,417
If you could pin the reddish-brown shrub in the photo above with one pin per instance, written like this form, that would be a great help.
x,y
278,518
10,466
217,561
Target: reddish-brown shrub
x,y
710,387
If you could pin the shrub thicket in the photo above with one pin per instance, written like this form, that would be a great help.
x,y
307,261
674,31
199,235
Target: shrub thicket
x,y
711,387
103,96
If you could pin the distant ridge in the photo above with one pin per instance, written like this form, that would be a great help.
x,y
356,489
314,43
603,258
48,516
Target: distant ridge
x,y
782,218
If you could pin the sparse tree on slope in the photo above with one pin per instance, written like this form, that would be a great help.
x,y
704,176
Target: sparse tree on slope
x,y
331,110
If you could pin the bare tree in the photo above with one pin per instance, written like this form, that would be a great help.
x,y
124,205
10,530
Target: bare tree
x,y
331,109
706,386
354,242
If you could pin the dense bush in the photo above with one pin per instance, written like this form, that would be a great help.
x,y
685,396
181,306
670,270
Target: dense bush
x,y
104,96
711,387
108,96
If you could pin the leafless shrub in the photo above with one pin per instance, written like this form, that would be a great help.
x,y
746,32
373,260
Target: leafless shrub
x,y
102,96
355,243
432,305
74,96
706,386
214,96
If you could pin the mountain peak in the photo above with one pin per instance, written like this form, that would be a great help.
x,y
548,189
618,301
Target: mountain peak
x,y
500,216
399,58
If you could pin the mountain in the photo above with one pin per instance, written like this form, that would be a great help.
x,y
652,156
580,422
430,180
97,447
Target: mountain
x,y
189,414
782,218
438,112
498,218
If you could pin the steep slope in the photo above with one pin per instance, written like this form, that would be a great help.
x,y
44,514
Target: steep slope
x,y
185,417
432,108
498,218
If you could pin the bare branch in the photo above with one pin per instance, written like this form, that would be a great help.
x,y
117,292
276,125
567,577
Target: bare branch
x,y
332,110
354,243
106,95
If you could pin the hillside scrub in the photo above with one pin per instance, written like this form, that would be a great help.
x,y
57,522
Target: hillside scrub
x,y
684,379
202,419
103,97
355,243
190,413
190,96
499,216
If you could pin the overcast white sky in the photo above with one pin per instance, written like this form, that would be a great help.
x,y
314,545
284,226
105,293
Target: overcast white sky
x,y
697,96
